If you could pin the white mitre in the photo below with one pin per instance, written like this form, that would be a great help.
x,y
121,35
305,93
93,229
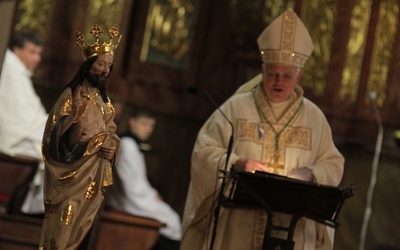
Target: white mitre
x,y
285,41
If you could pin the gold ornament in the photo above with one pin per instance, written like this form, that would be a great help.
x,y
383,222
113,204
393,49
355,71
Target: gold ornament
x,y
98,48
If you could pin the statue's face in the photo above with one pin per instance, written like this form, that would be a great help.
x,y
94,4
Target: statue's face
x,y
100,70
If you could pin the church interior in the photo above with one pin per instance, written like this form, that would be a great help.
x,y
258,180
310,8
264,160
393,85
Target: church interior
x,y
170,45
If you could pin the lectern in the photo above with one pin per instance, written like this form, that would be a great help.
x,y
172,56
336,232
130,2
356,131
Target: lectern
x,y
276,193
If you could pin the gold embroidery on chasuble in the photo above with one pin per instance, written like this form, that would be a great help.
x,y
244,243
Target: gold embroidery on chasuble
x,y
291,137
67,215
280,134
297,137
261,221
248,131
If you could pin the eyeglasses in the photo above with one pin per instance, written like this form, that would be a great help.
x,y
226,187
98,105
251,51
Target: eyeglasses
x,y
274,76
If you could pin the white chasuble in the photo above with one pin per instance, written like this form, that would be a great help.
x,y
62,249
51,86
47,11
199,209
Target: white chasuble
x,y
304,140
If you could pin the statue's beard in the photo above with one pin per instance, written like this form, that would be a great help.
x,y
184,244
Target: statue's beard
x,y
97,80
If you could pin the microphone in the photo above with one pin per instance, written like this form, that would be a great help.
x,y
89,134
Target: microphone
x,y
194,90
261,134
378,147
260,130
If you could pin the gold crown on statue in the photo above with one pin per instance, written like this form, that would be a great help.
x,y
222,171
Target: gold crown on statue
x,y
98,48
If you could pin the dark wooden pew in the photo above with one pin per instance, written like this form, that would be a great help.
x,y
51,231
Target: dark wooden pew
x,y
125,232
19,232
115,231
16,173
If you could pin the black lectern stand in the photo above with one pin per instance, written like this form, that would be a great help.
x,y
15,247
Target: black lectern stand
x,y
276,193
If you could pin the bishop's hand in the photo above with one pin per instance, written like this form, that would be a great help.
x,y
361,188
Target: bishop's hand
x,y
303,173
249,165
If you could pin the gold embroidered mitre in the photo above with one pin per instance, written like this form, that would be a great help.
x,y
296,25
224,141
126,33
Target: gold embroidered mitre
x,y
98,48
285,41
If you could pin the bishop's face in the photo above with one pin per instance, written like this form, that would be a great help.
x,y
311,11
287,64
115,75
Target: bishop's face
x,y
279,81
100,70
